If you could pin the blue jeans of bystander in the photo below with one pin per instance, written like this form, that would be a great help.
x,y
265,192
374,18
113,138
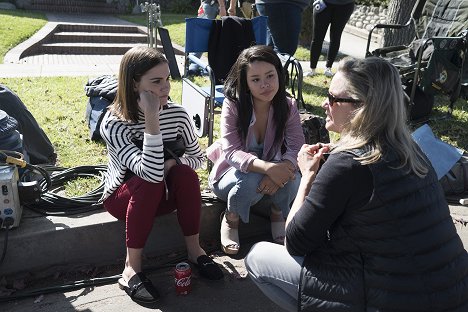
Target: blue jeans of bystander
x,y
208,11
284,25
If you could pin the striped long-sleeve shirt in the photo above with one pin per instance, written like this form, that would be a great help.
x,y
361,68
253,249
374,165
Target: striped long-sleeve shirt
x,y
148,162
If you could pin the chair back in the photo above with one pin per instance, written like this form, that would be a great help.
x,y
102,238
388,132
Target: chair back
x,y
440,18
197,32
444,69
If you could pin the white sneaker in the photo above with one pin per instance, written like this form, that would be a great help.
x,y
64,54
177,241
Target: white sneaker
x,y
328,72
310,73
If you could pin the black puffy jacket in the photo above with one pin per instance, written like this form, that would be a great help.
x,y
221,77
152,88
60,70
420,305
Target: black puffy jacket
x,y
400,252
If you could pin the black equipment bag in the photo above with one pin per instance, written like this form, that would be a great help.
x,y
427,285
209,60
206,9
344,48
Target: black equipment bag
x,y
314,129
422,105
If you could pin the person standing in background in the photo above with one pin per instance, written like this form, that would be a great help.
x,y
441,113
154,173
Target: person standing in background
x,y
211,8
335,13
245,7
284,22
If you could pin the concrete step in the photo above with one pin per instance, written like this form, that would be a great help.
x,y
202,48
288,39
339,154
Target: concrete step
x,y
72,9
99,37
100,28
73,6
79,39
42,244
87,48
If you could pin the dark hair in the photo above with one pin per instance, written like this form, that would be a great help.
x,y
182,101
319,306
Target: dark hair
x,y
236,89
135,63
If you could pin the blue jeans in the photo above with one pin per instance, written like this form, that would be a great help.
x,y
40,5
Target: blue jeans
x,y
239,190
284,25
276,273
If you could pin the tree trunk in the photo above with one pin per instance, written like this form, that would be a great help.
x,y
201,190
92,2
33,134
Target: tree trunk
x,y
399,12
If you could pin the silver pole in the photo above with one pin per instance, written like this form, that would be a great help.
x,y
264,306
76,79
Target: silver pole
x,y
154,20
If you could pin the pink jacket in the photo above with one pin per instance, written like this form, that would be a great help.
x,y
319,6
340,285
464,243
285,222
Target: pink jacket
x,y
230,150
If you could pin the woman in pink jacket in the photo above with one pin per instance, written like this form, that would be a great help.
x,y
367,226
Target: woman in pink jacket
x,y
261,135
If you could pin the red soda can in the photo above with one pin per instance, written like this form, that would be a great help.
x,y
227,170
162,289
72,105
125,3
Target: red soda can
x,y
183,276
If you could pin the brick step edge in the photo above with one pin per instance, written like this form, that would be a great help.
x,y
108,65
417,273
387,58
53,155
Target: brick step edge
x,y
72,9
100,28
99,38
90,49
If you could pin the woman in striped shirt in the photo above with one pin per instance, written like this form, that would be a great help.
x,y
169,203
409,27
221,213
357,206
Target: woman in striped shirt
x,y
140,184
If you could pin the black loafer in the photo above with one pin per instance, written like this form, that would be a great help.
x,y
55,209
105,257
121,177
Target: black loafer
x,y
140,289
208,268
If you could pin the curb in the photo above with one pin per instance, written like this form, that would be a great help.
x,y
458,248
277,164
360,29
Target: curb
x,y
363,33
15,54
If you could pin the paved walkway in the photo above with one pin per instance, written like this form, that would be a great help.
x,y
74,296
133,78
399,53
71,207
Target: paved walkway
x,y
352,43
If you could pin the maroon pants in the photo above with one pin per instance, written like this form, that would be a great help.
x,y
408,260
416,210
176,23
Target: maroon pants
x,y
138,202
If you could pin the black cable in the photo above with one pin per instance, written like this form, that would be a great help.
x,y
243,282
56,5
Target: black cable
x,y
42,171
64,288
5,245
51,203
82,284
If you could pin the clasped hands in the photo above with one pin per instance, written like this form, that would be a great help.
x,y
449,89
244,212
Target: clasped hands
x,y
276,177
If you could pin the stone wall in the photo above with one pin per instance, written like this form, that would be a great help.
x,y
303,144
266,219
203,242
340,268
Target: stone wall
x,y
365,17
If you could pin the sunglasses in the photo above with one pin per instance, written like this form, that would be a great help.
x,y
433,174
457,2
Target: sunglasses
x,y
333,99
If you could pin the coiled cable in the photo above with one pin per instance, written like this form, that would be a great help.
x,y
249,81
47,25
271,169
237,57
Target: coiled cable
x,y
51,203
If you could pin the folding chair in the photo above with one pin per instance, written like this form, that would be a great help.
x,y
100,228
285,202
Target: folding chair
x,y
433,62
200,102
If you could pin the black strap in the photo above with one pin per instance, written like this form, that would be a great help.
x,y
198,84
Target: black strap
x,y
177,159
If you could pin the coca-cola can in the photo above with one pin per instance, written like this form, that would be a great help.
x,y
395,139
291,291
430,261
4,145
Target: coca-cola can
x,y
183,278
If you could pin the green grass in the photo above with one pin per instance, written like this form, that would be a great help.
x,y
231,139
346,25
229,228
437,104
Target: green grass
x,y
302,54
59,104
17,26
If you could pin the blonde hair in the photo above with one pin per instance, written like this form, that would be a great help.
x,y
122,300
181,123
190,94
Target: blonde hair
x,y
379,122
